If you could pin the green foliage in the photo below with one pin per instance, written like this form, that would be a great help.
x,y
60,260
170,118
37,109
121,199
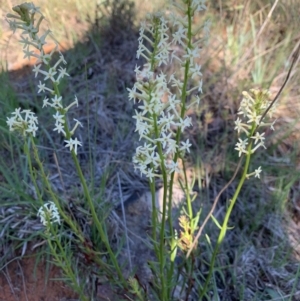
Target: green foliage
x,y
193,255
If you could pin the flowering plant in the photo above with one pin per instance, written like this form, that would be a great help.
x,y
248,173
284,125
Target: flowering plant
x,y
48,213
52,212
252,107
161,118
26,124
25,20
160,121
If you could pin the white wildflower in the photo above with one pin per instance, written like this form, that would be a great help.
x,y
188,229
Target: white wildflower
x,y
172,167
59,118
73,144
185,146
258,137
241,146
59,128
256,173
57,102
43,88
50,75
23,124
48,213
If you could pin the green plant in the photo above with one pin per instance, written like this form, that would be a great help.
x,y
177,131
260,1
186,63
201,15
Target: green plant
x,y
161,118
26,123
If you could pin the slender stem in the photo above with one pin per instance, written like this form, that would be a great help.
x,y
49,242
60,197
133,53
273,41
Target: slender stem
x,y
50,191
227,216
161,250
187,193
183,109
32,174
154,212
96,219
65,264
89,200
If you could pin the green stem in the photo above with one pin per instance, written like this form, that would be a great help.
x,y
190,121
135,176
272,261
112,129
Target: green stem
x,y
187,193
182,113
65,264
178,135
32,175
90,202
64,216
50,191
154,213
227,216
95,218
160,252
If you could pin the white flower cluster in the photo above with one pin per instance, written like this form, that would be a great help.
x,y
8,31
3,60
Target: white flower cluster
x,y
161,114
48,213
33,47
24,125
252,108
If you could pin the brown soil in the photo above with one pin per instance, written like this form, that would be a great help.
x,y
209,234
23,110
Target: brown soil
x,y
23,280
